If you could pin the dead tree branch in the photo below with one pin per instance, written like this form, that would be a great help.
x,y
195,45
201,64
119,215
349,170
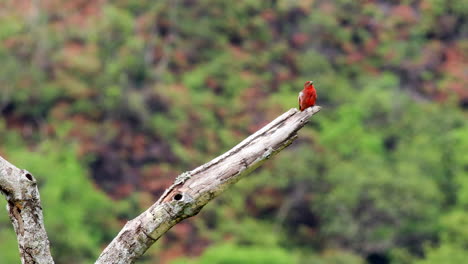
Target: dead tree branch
x,y
24,208
194,189
185,198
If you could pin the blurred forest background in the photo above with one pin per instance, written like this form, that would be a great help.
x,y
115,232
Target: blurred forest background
x,y
105,102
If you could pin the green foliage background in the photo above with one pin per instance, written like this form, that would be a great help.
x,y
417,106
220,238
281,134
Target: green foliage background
x,y
105,102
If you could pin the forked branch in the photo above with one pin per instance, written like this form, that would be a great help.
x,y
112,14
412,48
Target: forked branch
x,y
186,197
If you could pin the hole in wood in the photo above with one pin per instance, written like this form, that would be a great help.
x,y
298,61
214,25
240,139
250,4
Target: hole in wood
x,y
178,197
29,176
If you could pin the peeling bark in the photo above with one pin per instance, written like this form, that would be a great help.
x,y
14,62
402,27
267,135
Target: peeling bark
x,y
194,189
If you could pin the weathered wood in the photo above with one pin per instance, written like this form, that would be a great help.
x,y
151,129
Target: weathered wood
x,y
24,208
194,189
186,197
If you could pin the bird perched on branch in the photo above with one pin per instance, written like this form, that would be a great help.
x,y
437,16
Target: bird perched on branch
x,y
307,96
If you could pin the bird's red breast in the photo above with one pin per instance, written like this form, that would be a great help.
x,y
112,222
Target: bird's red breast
x,y
307,96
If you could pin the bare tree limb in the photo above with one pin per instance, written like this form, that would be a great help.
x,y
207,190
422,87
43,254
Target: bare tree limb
x,y
186,197
194,189
24,208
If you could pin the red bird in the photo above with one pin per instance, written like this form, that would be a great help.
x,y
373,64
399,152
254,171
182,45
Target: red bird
x,y
307,96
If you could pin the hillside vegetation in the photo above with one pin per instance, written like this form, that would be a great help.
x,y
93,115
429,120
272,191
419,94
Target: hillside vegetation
x,y
107,101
